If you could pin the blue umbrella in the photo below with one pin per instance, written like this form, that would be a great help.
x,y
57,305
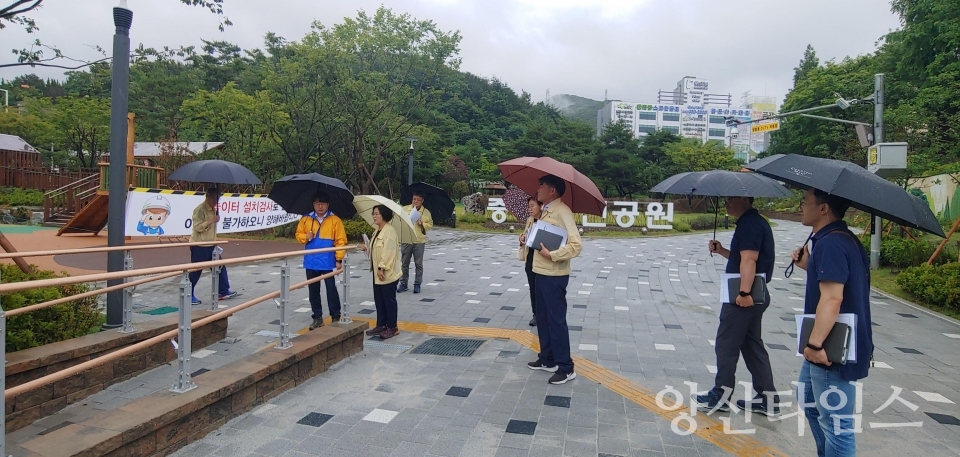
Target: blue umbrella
x,y
214,171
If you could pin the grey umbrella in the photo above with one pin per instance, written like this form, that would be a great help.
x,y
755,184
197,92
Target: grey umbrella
x,y
721,183
214,171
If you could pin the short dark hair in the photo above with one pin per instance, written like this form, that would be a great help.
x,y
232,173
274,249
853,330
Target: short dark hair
x,y
534,199
555,182
385,213
838,205
321,197
417,194
212,192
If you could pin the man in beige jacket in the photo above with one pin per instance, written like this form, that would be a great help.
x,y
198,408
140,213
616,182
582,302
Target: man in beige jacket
x,y
552,270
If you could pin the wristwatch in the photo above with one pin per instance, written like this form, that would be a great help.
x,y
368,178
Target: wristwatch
x,y
745,294
815,348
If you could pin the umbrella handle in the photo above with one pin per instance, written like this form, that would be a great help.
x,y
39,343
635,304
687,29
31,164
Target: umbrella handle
x,y
716,219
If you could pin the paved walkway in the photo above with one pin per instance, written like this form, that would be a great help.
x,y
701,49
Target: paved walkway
x,y
643,314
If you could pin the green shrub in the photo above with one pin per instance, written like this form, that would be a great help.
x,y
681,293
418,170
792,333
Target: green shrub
x,y
356,227
701,223
48,325
904,252
681,226
15,196
933,285
473,218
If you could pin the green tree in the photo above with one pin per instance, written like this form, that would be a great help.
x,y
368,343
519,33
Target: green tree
x,y
691,154
82,125
808,63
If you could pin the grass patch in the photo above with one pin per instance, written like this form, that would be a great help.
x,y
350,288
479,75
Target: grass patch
x,y
883,279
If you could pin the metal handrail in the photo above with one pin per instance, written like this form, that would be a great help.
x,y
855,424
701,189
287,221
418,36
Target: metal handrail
x,y
56,282
92,293
8,255
53,377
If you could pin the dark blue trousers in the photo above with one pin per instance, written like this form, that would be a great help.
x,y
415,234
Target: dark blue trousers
x,y
552,321
385,301
205,254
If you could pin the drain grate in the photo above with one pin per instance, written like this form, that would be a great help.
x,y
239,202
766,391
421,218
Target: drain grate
x,y
160,310
457,347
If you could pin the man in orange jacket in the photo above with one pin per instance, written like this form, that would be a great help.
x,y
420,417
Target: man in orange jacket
x,y
322,229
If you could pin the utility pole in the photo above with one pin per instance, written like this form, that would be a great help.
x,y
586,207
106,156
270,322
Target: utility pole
x,y
122,19
877,139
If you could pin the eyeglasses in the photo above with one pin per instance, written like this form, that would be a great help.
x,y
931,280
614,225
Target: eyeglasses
x,y
376,214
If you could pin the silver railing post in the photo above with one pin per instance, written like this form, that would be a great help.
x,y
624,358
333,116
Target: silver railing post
x,y
215,283
3,384
127,296
344,314
184,383
284,301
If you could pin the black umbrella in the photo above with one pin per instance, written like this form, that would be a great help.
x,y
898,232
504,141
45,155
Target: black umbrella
x,y
721,183
214,171
435,199
866,191
295,194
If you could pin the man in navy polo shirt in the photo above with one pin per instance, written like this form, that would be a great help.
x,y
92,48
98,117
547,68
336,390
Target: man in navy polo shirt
x,y
838,281
751,252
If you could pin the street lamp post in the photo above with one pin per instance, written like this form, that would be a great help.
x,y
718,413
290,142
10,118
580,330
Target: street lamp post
x,y
411,139
122,19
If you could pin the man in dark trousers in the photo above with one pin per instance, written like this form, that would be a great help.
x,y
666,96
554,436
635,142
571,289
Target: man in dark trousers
x,y
751,252
552,269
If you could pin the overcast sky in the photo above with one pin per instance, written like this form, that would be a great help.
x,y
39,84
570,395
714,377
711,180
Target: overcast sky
x,y
631,48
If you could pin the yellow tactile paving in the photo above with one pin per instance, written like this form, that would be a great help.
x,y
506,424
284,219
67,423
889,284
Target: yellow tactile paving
x,y
706,427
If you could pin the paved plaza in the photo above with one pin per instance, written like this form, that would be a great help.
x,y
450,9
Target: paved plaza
x,y
642,315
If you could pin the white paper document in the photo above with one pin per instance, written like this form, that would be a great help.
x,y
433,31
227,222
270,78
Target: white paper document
x,y
414,215
550,235
366,242
846,318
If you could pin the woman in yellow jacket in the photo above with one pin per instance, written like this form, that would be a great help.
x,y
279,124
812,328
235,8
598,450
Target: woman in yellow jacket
x,y
385,263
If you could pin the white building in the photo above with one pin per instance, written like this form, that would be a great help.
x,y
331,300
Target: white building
x,y
692,112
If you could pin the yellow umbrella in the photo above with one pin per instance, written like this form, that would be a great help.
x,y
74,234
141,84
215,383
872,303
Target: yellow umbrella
x,y
401,219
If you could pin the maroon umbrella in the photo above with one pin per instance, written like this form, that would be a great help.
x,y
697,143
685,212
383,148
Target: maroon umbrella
x,y
582,195
516,202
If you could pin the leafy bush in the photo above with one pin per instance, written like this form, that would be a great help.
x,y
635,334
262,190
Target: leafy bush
x,y
933,285
904,252
356,227
48,325
472,218
15,196
681,226
701,223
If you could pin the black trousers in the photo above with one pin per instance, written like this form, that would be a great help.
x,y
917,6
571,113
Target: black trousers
x,y
531,279
333,296
385,301
740,333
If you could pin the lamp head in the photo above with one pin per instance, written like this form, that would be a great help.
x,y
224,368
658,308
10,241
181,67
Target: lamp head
x,y
843,104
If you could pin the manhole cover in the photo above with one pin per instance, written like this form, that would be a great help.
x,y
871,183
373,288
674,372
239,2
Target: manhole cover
x,y
457,347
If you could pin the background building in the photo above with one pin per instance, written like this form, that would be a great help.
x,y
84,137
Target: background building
x,y
691,111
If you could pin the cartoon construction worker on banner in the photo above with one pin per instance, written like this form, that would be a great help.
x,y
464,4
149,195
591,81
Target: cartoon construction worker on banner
x,y
155,211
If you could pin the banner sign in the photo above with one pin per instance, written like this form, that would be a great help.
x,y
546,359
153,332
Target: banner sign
x,y
156,212
659,215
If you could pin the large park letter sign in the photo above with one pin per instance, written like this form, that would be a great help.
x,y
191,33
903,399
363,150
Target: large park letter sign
x,y
659,215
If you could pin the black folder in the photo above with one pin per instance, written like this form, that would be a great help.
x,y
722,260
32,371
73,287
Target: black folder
x,y
836,344
550,240
758,291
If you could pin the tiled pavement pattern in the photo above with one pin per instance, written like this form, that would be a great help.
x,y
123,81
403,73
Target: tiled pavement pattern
x,y
644,308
